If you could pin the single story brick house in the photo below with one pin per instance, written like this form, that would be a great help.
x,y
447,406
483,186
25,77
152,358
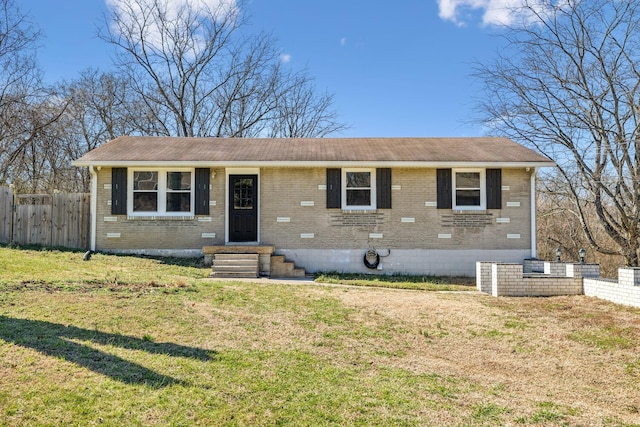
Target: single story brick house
x,y
423,205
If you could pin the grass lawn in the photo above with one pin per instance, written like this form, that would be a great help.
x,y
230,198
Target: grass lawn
x,y
132,341
400,282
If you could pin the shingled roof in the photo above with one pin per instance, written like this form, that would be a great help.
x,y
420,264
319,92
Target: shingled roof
x,y
139,150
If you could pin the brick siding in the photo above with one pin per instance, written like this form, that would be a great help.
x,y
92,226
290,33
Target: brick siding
x,y
412,223
293,216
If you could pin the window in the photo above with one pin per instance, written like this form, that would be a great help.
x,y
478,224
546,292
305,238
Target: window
x,y
161,192
145,191
362,189
243,196
359,191
178,191
468,189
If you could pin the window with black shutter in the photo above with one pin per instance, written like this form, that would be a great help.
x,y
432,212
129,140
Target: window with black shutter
x,y
162,192
359,188
469,189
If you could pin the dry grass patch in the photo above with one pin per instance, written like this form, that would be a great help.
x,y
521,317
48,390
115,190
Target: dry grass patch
x,y
398,281
570,360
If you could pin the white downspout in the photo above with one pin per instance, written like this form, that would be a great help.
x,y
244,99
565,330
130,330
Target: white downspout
x,y
534,251
94,206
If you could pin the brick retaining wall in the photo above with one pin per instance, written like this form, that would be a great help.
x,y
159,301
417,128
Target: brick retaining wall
x,y
518,280
625,291
509,280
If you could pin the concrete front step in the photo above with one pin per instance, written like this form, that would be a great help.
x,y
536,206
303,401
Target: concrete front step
x,y
235,262
235,265
242,264
236,268
243,275
222,256
282,268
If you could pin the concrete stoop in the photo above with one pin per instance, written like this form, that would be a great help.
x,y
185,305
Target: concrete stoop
x,y
281,268
249,261
235,265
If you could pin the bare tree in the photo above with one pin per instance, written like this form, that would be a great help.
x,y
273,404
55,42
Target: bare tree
x,y
568,84
75,118
197,72
35,160
301,113
99,108
101,105
558,227
19,84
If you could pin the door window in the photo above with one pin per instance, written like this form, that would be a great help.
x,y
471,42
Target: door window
x,y
243,194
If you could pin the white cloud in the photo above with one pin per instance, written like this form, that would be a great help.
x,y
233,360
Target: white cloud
x,y
343,41
172,6
285,57
493,12
134,13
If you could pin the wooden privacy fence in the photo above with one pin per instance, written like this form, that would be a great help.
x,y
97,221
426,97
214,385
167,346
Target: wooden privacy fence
x,y
58,220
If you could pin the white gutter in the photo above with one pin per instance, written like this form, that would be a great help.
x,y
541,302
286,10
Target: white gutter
x,y
94,207
534,250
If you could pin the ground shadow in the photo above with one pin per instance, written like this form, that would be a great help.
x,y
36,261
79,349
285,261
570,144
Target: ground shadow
x,y
53,339
196,262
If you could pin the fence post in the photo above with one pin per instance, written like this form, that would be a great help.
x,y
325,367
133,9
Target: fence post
x,y
6,214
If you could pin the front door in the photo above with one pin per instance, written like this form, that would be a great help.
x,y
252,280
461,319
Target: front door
x,y
243,208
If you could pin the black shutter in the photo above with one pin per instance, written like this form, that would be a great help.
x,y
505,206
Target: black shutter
x,y
383,188
494,188
118,191
443,188
202,191
334,193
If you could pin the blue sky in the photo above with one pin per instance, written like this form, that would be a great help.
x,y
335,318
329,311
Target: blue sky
x,y
398,68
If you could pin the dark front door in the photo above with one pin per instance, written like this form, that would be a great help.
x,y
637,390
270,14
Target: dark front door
x,y
243,208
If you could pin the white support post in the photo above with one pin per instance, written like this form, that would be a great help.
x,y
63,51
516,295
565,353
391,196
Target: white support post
x,y
94,207
534,250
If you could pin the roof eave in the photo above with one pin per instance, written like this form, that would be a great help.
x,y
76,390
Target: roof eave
x,y
312,164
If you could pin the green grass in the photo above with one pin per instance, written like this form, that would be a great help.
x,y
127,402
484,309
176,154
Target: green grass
x,y
161,346
423,283
36,267
489,413
123,340
138,341
549,412
606,338
148,359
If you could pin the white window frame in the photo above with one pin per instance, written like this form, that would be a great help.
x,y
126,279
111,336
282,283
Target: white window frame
x,y
162,192
372,188
483,190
